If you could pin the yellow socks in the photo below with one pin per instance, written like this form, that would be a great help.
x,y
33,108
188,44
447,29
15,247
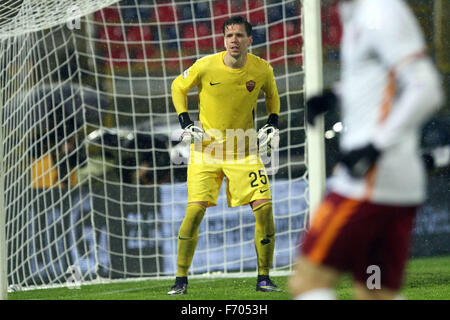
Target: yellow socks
x,y
188,236
264,237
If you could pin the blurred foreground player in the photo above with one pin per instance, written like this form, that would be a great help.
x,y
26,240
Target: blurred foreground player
x,y
388,89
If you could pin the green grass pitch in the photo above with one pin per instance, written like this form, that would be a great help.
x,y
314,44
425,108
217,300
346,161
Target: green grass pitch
x,y
426,279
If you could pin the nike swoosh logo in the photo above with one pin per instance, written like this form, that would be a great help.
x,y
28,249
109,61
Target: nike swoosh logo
x,y
213,83
266,240
180,238
262,191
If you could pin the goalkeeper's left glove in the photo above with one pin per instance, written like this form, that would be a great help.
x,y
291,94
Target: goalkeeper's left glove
x,y
269,135
359,161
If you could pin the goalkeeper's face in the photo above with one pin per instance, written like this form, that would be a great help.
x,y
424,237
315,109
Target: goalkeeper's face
x,y
237,40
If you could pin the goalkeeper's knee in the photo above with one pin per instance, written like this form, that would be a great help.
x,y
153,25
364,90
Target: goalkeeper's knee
x,y
191,222
188,236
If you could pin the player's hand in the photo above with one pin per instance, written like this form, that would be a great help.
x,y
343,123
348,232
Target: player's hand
x,y
320,104
191,134
359,161
269,135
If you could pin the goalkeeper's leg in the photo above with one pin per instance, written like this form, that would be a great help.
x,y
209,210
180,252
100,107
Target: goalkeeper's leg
x,y
187,243
188,236
264,236
264,243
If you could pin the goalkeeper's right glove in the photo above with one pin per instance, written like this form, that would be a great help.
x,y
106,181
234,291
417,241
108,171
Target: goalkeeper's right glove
x,y
320,104
191,133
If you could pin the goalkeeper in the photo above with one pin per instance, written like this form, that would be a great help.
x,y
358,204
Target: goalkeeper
x,y
228,85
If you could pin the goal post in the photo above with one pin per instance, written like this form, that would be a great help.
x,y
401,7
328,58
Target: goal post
x,y
314,85
94,174
3,252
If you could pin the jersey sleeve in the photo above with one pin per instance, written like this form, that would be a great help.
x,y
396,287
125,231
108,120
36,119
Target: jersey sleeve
x,y
396,34
400,45
271,93
181,86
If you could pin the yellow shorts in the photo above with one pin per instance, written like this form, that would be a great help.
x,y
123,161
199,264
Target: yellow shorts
x,y
246,181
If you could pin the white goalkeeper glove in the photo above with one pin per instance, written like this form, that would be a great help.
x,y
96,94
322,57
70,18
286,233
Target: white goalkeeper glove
x,y
269,135
191,133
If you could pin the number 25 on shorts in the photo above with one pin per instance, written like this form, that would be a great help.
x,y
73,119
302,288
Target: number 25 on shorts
x,y
254,176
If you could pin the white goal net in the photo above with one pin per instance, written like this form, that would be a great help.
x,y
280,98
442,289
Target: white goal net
x,y
93,172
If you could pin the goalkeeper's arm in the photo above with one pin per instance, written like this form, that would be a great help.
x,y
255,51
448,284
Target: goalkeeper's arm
x,y
180,88
268,135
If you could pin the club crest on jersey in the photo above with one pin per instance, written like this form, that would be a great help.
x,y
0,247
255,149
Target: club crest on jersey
x,y
250,85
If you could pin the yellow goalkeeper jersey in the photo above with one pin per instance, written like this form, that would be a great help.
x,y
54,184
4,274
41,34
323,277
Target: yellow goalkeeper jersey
x,y
227,97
